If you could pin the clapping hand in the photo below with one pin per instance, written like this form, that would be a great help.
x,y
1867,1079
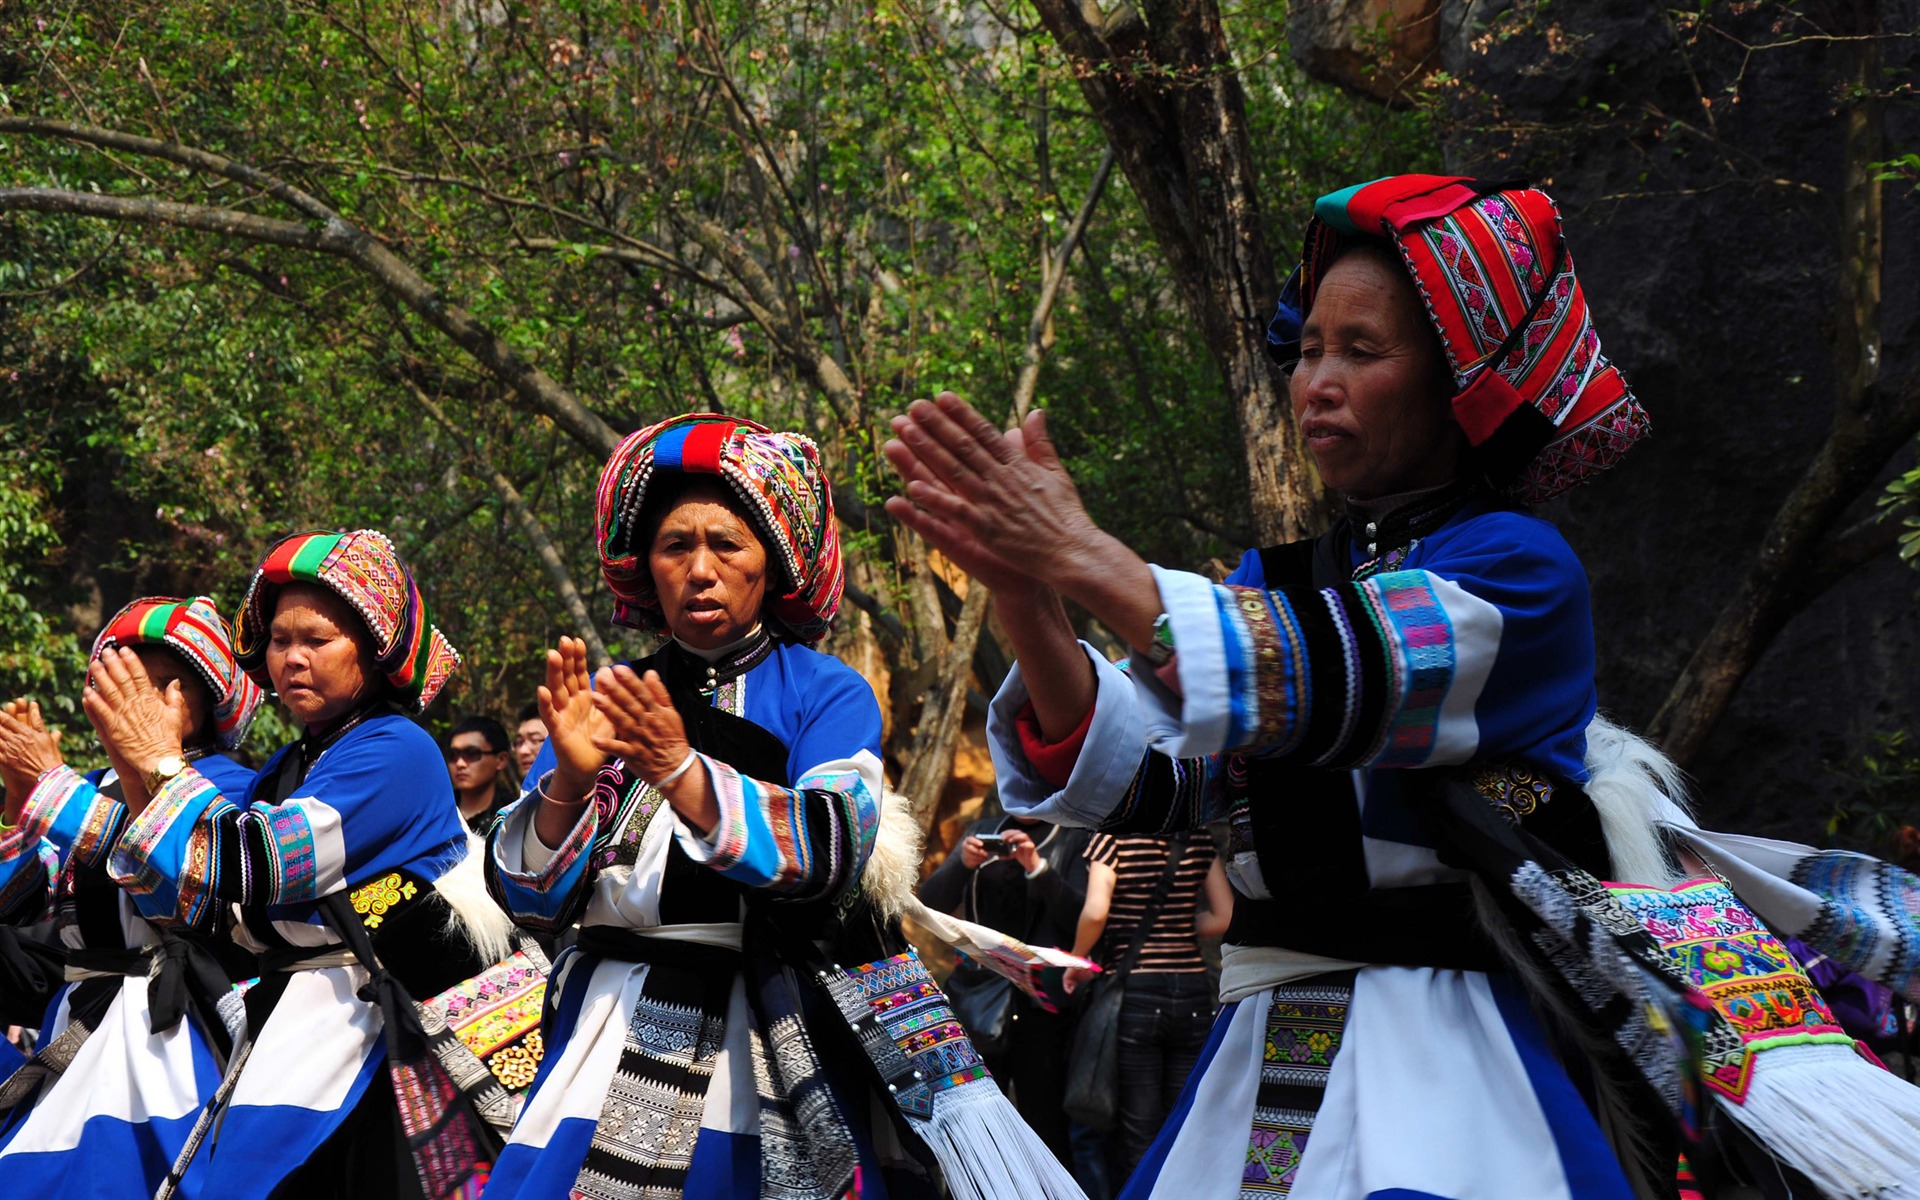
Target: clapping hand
x,y
574,724
27,751
651,739
645,730
138,724
987,500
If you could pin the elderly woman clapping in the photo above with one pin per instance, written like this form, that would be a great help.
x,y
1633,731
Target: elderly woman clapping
x,y
350,832
107,1102
706,815
1331,699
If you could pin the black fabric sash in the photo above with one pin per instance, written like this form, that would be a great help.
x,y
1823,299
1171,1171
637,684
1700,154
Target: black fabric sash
x,y
185,977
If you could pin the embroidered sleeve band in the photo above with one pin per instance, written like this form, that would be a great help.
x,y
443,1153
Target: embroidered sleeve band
x,y
806,841
56,790
537,886
193,846
1383,672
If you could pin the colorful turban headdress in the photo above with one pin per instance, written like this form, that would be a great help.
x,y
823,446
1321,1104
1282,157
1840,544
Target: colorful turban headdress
x,y
1542,408
777,478
361,567
198,635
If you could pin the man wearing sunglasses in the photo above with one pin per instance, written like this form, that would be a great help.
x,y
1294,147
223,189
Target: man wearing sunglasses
x,y
476,758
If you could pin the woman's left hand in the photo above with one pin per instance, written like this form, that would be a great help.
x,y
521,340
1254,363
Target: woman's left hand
x,y
648,735
138,724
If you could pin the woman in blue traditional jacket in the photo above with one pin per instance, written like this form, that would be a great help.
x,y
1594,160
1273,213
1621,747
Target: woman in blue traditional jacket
x,y
353,824
130,1049
707,815
1381,714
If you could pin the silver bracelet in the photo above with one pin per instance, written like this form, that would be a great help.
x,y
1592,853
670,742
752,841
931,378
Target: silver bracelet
x,y
677,771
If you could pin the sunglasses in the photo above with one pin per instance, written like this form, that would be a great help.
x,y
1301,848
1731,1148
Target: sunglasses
x,y
469,754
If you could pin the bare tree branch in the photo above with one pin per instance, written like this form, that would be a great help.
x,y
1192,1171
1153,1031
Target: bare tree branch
x,y
1037,329
531,528
334,235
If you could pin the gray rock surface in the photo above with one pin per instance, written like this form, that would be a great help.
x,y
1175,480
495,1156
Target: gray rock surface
x,y
1708,238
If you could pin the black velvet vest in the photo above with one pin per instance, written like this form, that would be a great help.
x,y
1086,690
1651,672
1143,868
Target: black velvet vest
x,y
1304,824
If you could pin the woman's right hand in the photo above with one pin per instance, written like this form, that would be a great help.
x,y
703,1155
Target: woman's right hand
x,y
27,751
1001,501
573,723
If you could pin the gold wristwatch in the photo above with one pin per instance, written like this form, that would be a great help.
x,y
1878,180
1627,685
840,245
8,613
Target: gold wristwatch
x,y
163,772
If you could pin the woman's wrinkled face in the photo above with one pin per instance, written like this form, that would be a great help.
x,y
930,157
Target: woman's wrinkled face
x,y
163,667
1370,391
709,568
319,655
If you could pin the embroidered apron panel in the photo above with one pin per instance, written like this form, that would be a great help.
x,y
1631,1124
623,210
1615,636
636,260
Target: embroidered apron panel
x,y
1738,964
1305,1022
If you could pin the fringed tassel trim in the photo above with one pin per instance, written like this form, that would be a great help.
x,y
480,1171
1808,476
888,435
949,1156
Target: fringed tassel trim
x,y
1847,1125
987,1152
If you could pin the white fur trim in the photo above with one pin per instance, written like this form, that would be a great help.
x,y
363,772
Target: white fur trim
x,y
475,918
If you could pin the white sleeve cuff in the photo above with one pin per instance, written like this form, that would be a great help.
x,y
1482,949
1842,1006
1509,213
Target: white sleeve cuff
x,y
1109,758
1196,722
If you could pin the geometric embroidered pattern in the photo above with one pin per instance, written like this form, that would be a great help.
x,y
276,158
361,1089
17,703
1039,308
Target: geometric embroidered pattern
x,y
1869,916
1735,961
1304,1027
1343,676
917,1015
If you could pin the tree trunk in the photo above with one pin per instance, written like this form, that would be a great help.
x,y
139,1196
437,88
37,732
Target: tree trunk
x,y
1166,94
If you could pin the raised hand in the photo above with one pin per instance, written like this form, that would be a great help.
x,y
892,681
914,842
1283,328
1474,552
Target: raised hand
x,y
573,722
137,724
647,733
988,500
27,751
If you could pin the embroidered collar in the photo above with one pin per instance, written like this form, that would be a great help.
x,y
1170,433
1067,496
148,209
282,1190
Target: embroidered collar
x,y
1387,528
715,667
311,746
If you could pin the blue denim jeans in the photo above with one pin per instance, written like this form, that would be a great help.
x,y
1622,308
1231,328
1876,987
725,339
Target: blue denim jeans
x,y
1164,1022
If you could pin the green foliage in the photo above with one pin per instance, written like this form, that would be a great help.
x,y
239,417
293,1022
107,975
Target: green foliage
x,y
1887,799
184,399
39,658
1898,502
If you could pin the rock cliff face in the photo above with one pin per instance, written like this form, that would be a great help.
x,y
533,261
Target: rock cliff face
x,y
1701,184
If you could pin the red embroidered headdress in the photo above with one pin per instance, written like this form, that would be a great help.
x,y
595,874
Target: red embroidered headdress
x,y
196,633
362,568
1542,407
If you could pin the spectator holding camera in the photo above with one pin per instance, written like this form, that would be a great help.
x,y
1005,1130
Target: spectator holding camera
x,y
1029,879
